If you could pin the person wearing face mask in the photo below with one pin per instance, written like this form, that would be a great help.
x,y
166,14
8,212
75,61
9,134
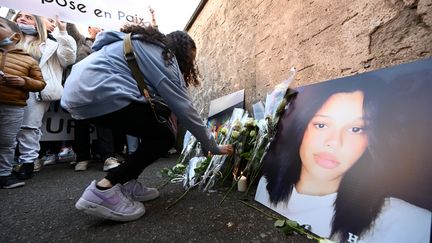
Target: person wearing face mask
x,y
53,57
19,75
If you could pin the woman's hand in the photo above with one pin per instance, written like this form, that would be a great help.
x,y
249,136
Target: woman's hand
x,y
12,80
61,25
226,149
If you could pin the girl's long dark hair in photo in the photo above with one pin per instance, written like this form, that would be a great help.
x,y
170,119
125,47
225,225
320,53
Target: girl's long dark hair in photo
x,y
405,135
177,44
359,200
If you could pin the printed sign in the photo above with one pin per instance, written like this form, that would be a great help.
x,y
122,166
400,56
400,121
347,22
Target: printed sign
x,y
58,125
351,157
107,14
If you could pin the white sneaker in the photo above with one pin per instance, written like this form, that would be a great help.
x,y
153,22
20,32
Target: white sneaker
x,y
138,192
49,159
120,158
172,151
65,155
81,166
110,163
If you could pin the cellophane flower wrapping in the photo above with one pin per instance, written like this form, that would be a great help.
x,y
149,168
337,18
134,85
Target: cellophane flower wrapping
x,y
250,137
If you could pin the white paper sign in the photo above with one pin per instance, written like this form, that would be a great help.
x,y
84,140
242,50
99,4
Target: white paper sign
x,y
58,125
107,14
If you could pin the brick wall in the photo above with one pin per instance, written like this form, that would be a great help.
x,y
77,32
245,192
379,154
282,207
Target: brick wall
x,y
253,44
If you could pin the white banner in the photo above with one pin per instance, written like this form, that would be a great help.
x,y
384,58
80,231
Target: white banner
x,y
107,14
59,126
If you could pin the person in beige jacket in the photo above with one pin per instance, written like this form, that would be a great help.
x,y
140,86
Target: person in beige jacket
x,y
19,75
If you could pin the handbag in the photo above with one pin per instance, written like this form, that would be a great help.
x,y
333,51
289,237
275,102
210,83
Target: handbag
x,y
160,109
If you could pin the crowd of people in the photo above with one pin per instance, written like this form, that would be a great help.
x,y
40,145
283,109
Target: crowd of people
x,y
56,55
94,82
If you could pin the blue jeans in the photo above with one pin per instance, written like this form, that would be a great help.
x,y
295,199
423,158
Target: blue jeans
x,y
30,134
132,144
11,118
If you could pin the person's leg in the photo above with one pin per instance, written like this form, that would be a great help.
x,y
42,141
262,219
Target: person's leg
x,y
156,140
107,200
49,147
106,147
66,152
132,144
119,139
148,151
30,134
81,144
105,142
10,122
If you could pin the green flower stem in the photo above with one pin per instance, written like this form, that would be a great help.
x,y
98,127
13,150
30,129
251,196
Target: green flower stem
x,y
252,179
164,184
178,199
259,210
229,191
227,173
288,223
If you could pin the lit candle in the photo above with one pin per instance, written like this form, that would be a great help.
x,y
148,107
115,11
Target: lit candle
x,y
242,184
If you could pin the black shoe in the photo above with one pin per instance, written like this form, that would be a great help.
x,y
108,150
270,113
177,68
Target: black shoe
x,y
26,171
10,181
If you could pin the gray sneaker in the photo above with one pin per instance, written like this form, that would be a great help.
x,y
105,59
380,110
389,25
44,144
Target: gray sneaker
x,y
110,204
138,192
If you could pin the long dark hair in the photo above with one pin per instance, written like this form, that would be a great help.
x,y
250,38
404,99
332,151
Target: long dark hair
x,y
358,201
404,132
183,46
177,44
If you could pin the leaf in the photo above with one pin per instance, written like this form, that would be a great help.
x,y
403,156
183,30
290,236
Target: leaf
x,y
170,173
288,230
178,169
292,223
279,223
246,155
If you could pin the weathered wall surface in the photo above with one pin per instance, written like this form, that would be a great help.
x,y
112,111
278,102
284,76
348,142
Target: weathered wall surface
x,y
253,44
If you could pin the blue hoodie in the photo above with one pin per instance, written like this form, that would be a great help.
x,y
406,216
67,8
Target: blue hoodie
x,y
103,83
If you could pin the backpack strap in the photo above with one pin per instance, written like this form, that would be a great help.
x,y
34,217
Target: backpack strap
x,y
130,57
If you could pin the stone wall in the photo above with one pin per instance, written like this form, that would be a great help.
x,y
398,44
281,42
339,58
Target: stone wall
x,y
253,44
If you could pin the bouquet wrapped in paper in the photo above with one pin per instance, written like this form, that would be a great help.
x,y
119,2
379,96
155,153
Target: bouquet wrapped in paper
x,y
231,129
250,138
276,102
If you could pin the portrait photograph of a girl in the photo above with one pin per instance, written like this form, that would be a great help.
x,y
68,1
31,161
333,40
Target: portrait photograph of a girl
x,y
351,157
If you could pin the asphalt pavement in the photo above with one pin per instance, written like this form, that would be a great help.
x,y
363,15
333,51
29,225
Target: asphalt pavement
x,y
43,211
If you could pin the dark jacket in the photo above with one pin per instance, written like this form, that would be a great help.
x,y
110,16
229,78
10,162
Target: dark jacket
x,y
83,44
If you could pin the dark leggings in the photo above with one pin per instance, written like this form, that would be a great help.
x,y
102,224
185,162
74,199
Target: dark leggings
x,y
81,144
138,120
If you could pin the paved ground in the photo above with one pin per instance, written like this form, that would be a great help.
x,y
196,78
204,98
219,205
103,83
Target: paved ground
x,y
43,211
